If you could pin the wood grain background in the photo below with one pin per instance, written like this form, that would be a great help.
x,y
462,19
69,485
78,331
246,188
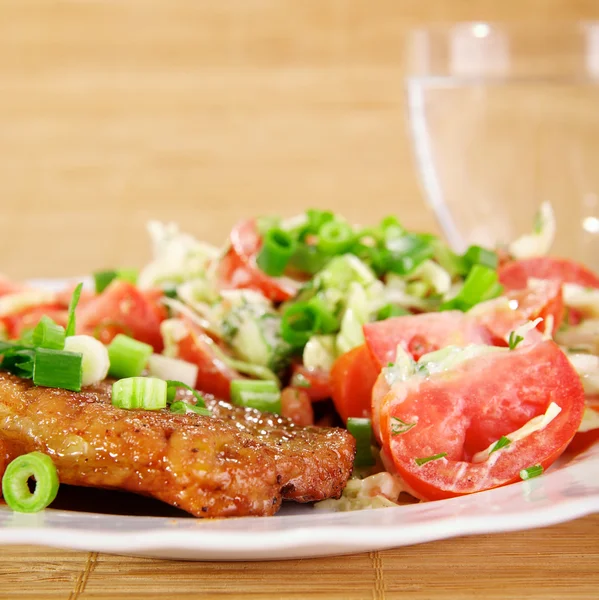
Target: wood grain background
x,y
116,111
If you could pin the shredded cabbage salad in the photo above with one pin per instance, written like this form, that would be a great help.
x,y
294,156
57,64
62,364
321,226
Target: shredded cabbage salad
x,y
285,302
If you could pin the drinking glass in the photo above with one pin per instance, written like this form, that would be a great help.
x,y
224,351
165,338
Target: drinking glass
x,y
505,117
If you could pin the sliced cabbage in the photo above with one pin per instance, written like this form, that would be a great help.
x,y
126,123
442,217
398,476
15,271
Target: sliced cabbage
x,y
590,420
402,369
173,331
587,367
450,357
396,292
178,256
356,314
539,242
342,271
584,300
535,424
320,352
433,275
380,490
584,337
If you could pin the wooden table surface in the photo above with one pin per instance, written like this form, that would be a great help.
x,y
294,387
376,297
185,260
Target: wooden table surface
x,y
113,112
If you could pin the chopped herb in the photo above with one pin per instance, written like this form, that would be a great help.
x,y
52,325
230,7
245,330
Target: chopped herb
x,y
398,426
514,340
426,459
300,380
531,472
70,329
502,442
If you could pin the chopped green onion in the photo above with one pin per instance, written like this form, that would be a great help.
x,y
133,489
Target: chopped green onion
x,y
453,263
58,369
476,289
307,259
335,237
495,290
318,218
300,322
15,483
170,292
514,340
70,329
182,408
94,361
26,338
128,357
171,392
404,254
147,393
361,429
391,310
426,459
129,275
47,334
502,442
265,223
18,360
328,321
476,255
398,427
262,395
531,472
102,279
278,247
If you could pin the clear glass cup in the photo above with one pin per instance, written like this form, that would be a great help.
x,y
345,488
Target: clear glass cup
x,y
504,117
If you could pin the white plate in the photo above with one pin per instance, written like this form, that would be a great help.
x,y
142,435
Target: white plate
x,y
566,492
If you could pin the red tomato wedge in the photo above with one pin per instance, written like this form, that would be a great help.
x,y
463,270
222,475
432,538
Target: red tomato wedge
x,y
297,406
28,318
501,317
319,382
238,269
123,308
465,410
421,334
10,287
514,275
214,376
353,375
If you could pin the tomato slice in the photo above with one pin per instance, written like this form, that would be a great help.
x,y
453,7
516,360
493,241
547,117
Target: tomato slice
x,y
10,287
514,275
214,376
501,317
353,376
464,411
238,268
421,334
297,406
319,382
28,318
122,307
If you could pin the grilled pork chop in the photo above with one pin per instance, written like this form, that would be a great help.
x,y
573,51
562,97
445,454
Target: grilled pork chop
x,y
209,466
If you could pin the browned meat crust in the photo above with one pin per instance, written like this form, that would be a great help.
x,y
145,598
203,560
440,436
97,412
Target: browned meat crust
x,y
195,463
314,463
238,462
